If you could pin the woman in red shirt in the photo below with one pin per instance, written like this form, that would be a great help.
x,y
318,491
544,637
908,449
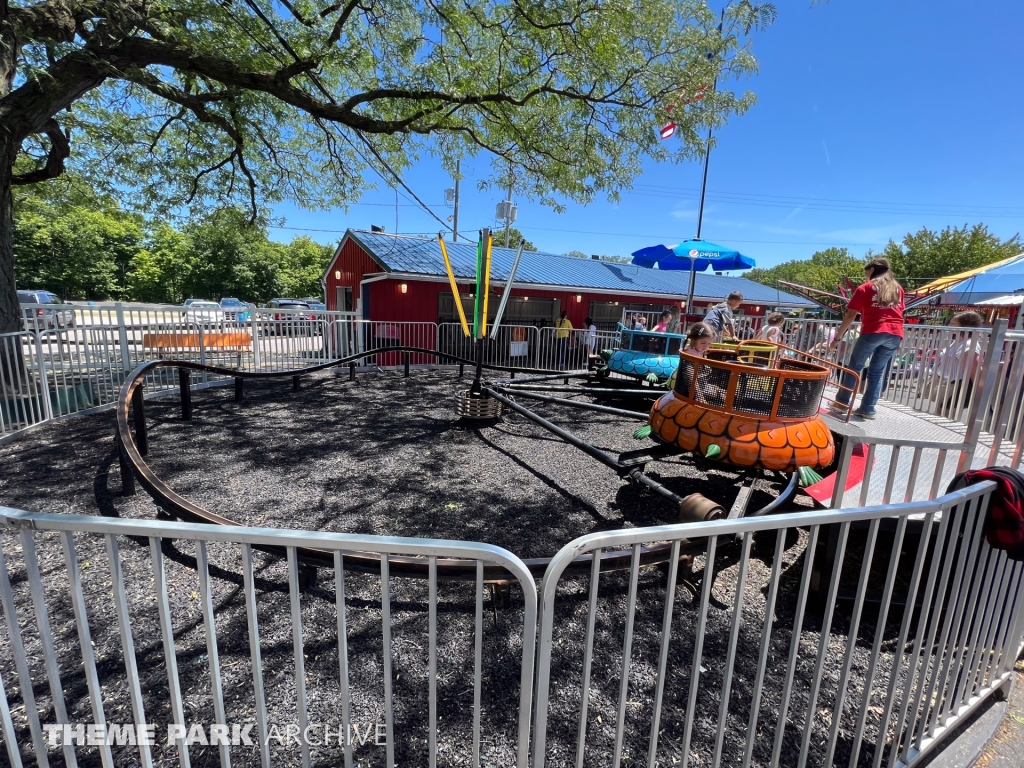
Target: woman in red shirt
x,y
879,302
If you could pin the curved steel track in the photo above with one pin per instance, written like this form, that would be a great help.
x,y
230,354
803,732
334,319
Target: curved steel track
x,y
133,446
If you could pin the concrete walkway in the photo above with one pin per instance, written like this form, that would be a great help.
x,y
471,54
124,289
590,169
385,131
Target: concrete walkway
x,y
1007,747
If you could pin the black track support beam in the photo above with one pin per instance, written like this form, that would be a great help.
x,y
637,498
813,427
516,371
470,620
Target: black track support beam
x,y
405,362
307,578
139,412
351,371
127,478
185,388
295,382
239,385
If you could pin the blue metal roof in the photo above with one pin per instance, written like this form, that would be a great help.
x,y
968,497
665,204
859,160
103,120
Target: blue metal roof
x,y
422,256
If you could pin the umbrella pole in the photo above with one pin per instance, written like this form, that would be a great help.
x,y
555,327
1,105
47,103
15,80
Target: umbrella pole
x,y
689,296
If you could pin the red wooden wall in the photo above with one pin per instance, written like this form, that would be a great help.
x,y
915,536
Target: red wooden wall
x,y
353,263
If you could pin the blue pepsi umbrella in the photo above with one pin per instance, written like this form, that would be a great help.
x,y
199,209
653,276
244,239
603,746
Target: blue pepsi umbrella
x,y
695,255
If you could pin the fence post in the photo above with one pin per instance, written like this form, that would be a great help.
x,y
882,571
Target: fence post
x,y
1001,426
989,379
44,380
254,326
122,333
842,472
202,350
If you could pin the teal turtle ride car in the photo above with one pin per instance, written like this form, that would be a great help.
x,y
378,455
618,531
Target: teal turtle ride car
x,y
645,355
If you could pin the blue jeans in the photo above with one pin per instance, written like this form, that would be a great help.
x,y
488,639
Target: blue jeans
x,y
880,347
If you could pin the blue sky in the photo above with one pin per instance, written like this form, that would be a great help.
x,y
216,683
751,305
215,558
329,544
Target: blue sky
x,y
874,118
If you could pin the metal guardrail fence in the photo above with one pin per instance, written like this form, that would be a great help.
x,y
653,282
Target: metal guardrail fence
x,y
751,680
75,357
747,326
73,667
727,677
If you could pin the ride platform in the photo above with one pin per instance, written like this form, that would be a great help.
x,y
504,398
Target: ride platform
x,y
902,426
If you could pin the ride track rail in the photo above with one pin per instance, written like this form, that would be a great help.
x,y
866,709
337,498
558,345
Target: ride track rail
x,y
134,446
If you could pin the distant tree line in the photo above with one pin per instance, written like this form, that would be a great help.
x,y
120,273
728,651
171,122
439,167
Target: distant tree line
x,y
920,257
84,246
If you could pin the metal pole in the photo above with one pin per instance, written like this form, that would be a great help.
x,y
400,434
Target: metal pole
x,y
508,290
988,380
707,152
455,216
476,390
693,278
704,183
508,210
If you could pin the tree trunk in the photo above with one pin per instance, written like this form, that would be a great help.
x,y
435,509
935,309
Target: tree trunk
x,y
10,314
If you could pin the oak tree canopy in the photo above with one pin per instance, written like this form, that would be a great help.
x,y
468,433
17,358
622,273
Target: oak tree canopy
x,y
178,104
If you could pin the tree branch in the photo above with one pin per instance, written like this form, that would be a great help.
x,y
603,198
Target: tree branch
x,y
60,150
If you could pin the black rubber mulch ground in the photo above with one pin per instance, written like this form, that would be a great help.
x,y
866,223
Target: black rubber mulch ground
x,y
385,456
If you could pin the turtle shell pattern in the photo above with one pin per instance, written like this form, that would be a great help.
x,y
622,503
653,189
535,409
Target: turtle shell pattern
x,y
745,441
640,364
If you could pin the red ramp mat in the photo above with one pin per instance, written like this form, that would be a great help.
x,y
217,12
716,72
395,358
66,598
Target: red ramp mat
x,y
822,490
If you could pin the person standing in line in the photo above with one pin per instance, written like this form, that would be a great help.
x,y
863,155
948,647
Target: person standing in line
x,y
663,322
563,328
772,330
674,325
879,302
720,318
958,365
591,338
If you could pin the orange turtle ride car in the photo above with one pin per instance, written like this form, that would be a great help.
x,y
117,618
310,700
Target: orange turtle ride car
x,y
759,414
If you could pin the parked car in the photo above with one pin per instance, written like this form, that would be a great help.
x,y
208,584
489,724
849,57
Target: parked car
x,y
45,318
201,311
319,306
234,309
190,302
290,314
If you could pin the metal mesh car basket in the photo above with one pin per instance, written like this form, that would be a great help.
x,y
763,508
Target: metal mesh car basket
x,y
684,378
712,385
800,397
755,393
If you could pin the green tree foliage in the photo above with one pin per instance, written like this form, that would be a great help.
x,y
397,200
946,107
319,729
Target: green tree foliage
x,y
922,256
925,255
83,246
515,237
160,272
304,263
824,270
81,249
220,104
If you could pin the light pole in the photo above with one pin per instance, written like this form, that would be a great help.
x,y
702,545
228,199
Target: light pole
x,y
508,210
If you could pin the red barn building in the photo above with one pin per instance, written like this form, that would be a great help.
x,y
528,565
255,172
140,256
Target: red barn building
x,y
398,278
